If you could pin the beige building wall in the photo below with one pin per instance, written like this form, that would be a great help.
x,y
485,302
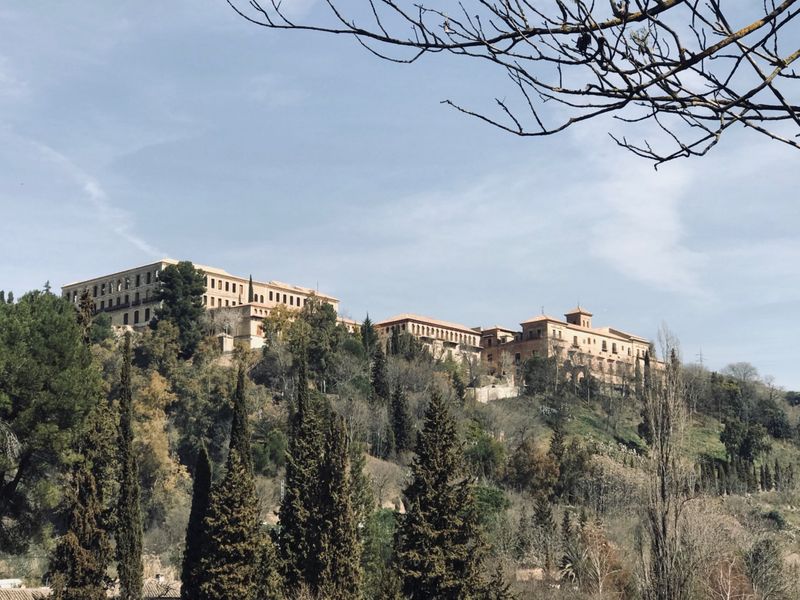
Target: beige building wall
x,y
441,338
608,354
128,297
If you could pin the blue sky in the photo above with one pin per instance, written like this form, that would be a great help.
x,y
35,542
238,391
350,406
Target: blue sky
x,y
131,131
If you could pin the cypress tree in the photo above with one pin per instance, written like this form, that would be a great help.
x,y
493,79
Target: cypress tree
x,y
79,562
767,478
778,476
196,534
231,557
400,420
497,588
268,579
298,537
438,544
340,550
361,496
379,379
458,387
129,511
250,294
369,337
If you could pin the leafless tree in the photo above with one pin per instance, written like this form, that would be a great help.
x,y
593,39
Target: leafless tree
x,y
691,68
667,553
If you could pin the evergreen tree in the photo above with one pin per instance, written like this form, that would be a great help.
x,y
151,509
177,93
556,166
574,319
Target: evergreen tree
x,y
458,387
250,293
361,496
566,528
340,550
545,528
196,534
299,516
268,579
181,302
394,345
767,478
497,588
400,420
79,562
778,476
369,337
129,511
231,555
438,544
380,378
85,316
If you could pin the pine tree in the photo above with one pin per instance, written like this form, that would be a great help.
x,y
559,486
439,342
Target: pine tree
x,y
79,562
438,544
379,379
85,316
400,420
196,534
129,511
231,555
340,550
369,337
299,516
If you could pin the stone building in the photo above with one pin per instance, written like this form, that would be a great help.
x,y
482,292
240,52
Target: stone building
x,y
129,298
441,338
609,354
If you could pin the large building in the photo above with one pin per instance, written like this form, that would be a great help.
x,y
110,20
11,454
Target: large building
x,y
442,338
129,298
609,354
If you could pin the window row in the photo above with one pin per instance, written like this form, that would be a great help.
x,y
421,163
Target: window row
x,y
126,317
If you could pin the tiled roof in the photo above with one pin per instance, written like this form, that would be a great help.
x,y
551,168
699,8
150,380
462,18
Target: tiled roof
x,y
578,310
542,318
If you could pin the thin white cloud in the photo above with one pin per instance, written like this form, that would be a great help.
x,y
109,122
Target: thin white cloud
x,y
642,233
117,219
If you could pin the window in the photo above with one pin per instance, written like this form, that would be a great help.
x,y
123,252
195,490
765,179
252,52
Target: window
x,y
227,303
125,319
135,317
103,289
284,298
614,347
604,347
127,282
227,286
212,283
212,300
575,340
136,297
147,315
234,288
291,300
102,304
489,357
488,342
517,358
147,277
127,298
94,293
262,298
118,300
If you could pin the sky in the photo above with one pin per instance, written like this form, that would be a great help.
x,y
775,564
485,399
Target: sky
x,y
132,131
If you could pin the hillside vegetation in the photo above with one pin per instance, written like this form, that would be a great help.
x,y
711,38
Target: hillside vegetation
x,y
680,483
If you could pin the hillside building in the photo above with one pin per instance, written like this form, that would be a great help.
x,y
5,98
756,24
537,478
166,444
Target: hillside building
x,y
441,338
608,354
129,298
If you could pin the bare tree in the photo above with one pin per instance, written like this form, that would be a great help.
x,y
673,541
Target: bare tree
x,y
692,69
667,551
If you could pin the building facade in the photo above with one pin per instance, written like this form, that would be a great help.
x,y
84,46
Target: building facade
x,y
441,338
608,354
129,298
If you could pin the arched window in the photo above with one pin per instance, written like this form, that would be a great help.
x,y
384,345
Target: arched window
x,y
125,319
146,315
135,317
